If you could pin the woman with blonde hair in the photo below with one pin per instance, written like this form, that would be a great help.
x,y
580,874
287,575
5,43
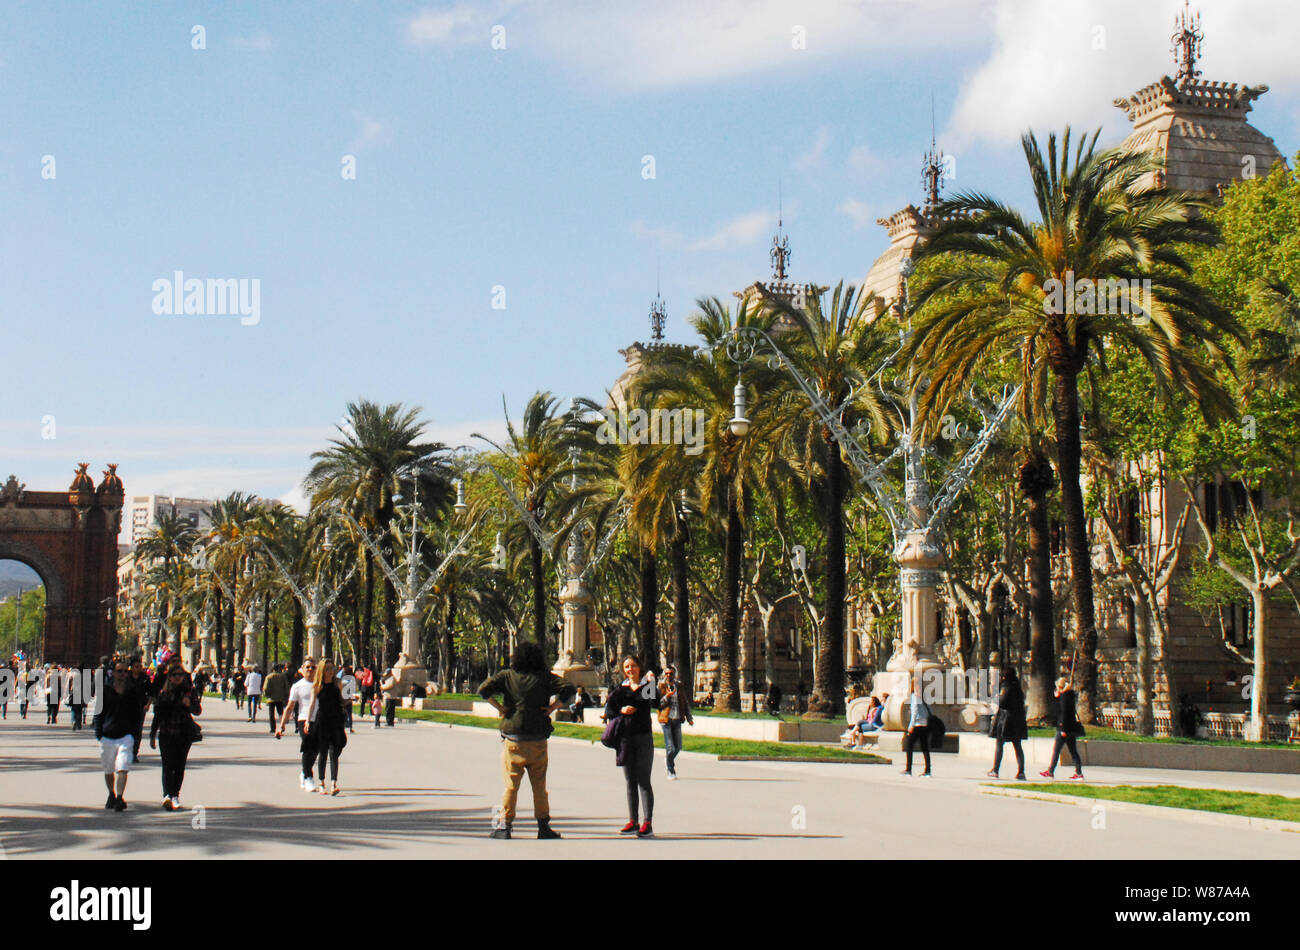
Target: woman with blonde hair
x,y
326,717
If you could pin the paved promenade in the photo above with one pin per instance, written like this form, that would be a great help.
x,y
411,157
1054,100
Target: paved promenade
x,y
427,791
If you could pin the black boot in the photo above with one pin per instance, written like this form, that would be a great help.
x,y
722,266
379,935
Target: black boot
x,y
544,829
502,832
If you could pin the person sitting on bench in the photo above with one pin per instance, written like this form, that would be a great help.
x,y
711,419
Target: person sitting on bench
x,y
875,722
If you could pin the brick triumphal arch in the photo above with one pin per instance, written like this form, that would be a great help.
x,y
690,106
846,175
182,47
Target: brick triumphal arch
x,y
70,539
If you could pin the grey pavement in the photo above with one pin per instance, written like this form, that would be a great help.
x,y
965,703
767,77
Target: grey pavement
x,y
427,791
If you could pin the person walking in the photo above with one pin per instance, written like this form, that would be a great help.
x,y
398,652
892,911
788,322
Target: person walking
x,y
115,722
376,707
366,680
326,719
918,729
237,688
528,687
348,687
276,691
253,684
1068,729
1009,724
53,694
633,699
388,687
299,706
674,709
25,684
174,728
76,700
144,696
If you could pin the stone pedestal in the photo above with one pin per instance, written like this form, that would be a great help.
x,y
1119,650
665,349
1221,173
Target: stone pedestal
x,y
205,661
918,558
572,663
409,671
252,637
315,635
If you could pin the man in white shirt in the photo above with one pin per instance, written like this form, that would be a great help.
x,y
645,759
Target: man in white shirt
x,y
254,686
348,687
300,696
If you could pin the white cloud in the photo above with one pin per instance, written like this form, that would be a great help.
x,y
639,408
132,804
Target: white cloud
x,y
665,239
678,42
859,212
816,151
372,132
259,41
458,25
737,232
1064,62
865,161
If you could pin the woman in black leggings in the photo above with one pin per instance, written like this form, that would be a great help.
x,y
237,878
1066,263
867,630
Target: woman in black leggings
x,y
329,724
1068,729
633,700
175,707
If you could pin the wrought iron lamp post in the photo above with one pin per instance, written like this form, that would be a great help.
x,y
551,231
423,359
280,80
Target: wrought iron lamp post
x,y
915,519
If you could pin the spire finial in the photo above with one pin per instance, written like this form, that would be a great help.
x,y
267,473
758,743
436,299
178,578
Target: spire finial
x,y
780,243
932,166
1187,44
658,312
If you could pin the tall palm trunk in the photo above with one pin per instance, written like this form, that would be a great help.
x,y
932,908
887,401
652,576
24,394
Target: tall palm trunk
x,y
728,697
266,629
447,676
649,601
234,593
299,633
1065,408
828,690
681,609
329,633
369,650
1036,479
539,594
221,613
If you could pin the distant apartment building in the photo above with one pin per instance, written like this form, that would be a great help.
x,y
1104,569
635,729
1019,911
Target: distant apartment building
x,y
145,511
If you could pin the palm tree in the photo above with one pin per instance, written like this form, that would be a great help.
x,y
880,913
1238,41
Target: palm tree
x,y
227,544
378,455
999,295
657,480
732,466
164,551
547,448
837,351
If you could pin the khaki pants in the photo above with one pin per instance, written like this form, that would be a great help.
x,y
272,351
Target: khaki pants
x,y
516,758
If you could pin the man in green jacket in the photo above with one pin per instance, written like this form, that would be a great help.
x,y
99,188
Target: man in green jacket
x,y
275,691
528,689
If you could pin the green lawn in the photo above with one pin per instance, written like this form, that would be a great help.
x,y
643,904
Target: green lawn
x,y
1250,804
706,744
1113,735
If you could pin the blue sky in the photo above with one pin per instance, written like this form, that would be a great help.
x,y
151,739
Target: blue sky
x,y
477,167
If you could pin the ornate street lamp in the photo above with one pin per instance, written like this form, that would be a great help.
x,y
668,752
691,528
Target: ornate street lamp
x,y
739,424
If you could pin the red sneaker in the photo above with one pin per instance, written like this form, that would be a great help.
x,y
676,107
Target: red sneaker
x,y
629,828
1046,774
644,831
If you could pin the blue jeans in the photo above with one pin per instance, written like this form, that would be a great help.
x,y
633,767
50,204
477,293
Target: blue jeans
x,y
672,743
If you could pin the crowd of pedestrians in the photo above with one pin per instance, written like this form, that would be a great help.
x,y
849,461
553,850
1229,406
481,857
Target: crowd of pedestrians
x,y
318,699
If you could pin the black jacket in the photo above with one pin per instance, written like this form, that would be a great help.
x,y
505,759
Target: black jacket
x,y
643,697
1066,720
1009,724
525,698
120,714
